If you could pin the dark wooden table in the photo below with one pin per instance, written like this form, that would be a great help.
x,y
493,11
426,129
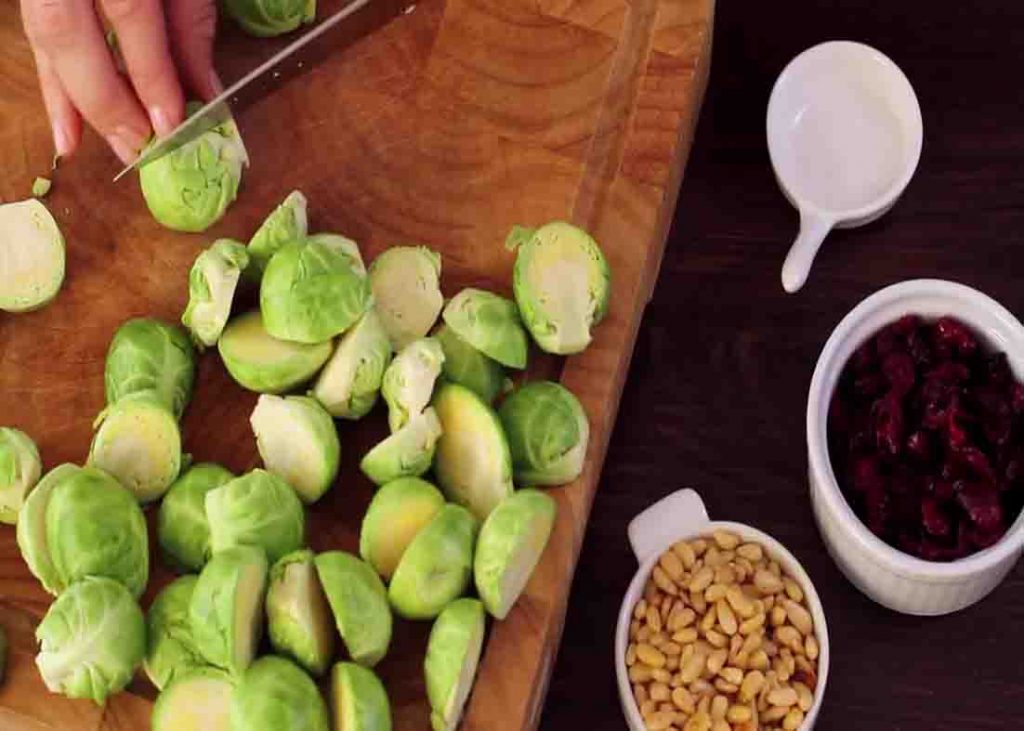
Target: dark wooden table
x,y
716,397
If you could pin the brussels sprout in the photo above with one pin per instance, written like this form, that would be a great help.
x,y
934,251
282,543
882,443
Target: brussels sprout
x,y
359,603
171,653
266,18
409,380
344,246
298,618
359,699
182,528
91,640
407,292
211,288
257,509
285,223
273,695
79,522
200,701
150,355
490,324
561,282
511,542
406,453
138,443
547,432
436,566
262,363
396,514
298,442
20,468
190,187
467,366
453,652
226,609
310,293
349,383
472,462
31,256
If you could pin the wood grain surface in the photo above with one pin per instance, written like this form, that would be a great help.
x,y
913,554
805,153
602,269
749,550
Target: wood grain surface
x,y
443,125
716,395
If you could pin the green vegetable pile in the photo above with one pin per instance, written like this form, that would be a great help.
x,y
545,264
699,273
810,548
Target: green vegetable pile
x,y
329,338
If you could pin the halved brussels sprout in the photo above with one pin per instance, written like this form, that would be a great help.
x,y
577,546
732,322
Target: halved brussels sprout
x,y
182,528
31,256
226,609
359,604
467,366
152,356
359,699
298,618
200,701
436,566
406,453
91,640
275,695
396,514
349,383
257,509
20,469
453,653
310,293
472,462
137,442
490,323
409,380
171,653
190,187
407,292
561,282
211,288
344,246
80,522
285,224
510,544
262,363
297,441
547,432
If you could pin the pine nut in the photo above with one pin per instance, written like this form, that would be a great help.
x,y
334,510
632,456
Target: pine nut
x,y
630,654
672,663
811,647
765,581
784,696
648,707
753,624
692,669
804,697
735,643
659,692
793,720
790,637
758,660
661,675
709,619
671,565
683,700
738,714
732,675
793,590
699,546
698,602
725,686
751,552
640,610
720,724
682,618
659,721
726,618
634,627
716,639
702,580
700,721
751,686
778,616
640,693
740,602
653,619
662,581
650,656
714,592
702,688
771,715
716,661
719,705
725,575
725,540
685,554
671,649
685,636
799,617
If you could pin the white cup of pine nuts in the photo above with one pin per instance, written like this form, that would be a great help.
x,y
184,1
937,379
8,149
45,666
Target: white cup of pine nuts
x,y
721,628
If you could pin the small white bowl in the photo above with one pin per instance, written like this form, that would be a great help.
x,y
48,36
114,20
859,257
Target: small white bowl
x,y
892,578
682,516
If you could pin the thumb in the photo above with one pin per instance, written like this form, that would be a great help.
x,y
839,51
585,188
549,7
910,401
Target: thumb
x,y
192,25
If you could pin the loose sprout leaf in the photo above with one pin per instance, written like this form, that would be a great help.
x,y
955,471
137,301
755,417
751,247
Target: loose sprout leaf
x,y
20,469
489,323
31,256
518,236
453,653
41,186
406,453
211,289
409,380
350,382
547,432
407,292
285,224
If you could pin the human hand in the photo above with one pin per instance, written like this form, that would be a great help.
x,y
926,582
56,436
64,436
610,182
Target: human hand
x,y
164,43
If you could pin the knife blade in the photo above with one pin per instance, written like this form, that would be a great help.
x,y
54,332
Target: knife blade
x,y
217,110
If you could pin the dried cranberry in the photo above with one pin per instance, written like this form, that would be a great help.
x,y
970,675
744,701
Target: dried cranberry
x,y
866,475
889,341
949,373
955,334
982,507
976,463
899,371
920,349
888,417
997,370
864,357
934,520
869,386
876,504
1018,398
941,490
919,446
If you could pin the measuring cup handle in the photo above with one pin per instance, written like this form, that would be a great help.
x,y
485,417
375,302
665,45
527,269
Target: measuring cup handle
x,y
813,230
680,514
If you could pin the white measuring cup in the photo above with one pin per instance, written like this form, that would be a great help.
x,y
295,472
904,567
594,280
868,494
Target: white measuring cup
x,y
844,136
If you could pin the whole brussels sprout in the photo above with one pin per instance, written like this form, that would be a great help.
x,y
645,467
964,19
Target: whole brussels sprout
x,y
171,653
285,223
490,323
79,522
349,383
182,528
359,699
310,293
467,366
406,283
273,695
406,453
31,256
211,288
562,283
150,355
547,432
453,652
298,618
199,701
190,187
257,509
263,363
20,468
409,380
359,603
344,246
91,640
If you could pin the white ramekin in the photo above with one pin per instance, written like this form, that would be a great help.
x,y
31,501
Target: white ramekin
x,y
892,578
682,516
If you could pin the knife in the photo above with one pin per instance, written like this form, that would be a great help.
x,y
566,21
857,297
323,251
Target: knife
x,y
217,111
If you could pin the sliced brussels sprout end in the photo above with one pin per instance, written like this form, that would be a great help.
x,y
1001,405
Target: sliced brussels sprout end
x,y
20,469
358,601
286,223
409,381
359,699
406,453
490,323
298,618
397,513
200,701
262,363
31,256
211,286
518,236
350,382
407,292
467,366
453,653
547,432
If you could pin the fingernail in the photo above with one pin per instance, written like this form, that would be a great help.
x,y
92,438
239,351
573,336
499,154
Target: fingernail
x,y
125,150
61,140
215,83
161,121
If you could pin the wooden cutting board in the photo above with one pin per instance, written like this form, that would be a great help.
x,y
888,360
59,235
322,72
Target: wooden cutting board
x,y
444,125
